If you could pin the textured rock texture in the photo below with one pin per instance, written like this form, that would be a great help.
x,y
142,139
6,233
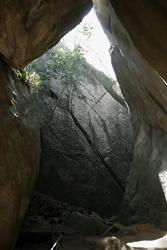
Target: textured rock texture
x,y
29,28
146,24
19,156
146,93
86,144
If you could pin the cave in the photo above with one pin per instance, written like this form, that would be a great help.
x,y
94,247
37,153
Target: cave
x,y
137,34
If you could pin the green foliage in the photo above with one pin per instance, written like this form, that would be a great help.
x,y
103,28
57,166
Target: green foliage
x,y
66,63
22,75
30,77
60,63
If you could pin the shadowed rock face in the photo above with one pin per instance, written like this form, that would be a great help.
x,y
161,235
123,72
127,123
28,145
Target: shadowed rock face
x,y
29,28
87,144
19,156
146,93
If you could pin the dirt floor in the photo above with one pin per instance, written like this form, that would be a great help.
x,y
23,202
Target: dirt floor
x,y
49,221
138,236
68,243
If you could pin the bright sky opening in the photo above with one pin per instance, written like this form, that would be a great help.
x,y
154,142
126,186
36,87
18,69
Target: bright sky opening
x,y
96,47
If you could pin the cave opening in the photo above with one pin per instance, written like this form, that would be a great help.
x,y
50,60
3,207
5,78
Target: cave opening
x,y
84,125
86,137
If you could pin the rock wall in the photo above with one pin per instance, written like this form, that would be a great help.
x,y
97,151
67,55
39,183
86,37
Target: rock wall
x,y
19,156
146,22
146,94
29,28
86,145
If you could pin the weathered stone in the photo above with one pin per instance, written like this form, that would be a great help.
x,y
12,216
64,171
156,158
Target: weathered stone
x,y
86,145
29,28
19,156
146,24
146,93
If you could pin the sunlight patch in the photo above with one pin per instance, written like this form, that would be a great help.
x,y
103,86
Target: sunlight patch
x,y
159,243
91,37
163,180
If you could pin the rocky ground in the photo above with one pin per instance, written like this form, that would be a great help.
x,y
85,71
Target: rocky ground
x,y
49,221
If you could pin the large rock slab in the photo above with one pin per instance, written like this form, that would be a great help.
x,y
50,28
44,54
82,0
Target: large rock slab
x,y
19,156
86,143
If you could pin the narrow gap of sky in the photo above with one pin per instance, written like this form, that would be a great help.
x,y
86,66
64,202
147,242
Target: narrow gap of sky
x,y
96,47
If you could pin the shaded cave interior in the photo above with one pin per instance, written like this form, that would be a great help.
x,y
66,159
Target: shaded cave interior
x,y
86,144
89,127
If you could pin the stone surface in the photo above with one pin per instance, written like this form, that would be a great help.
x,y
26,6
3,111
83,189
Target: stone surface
x,y
146,24
29,28
86,145
146,94
136,236
19,156
46,215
